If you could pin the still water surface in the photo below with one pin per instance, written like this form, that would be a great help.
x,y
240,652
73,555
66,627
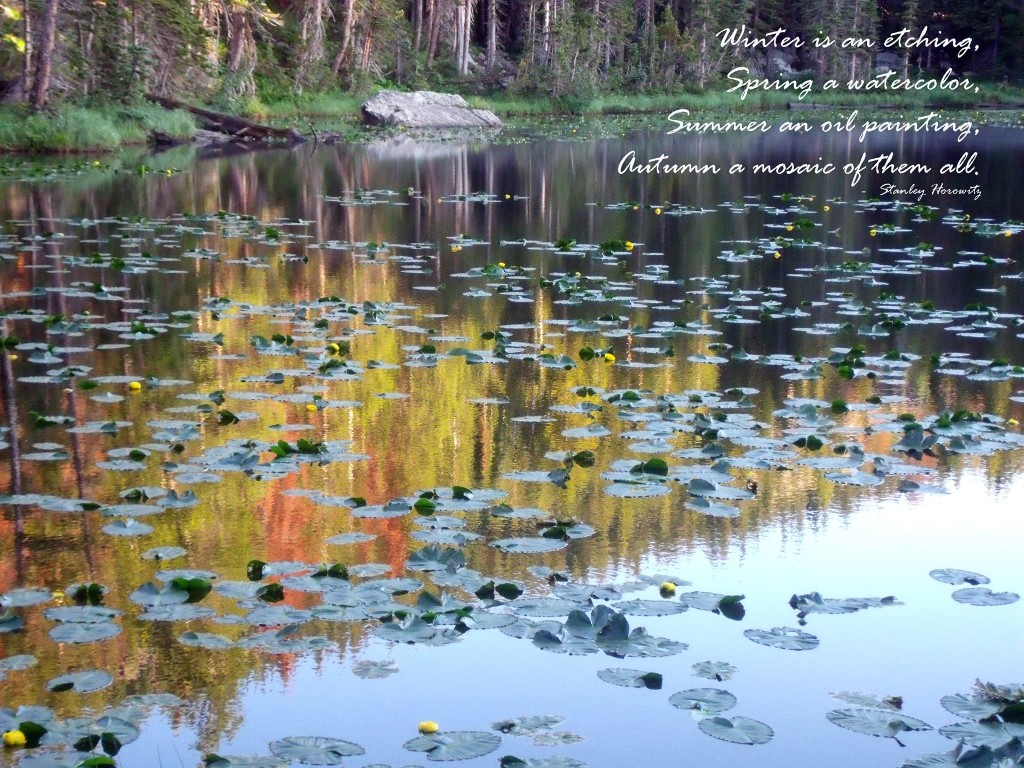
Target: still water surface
x,y
106,250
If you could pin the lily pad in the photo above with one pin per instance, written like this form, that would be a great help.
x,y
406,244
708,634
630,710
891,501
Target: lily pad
x,y
16,663
708,701
127,527
243,761
876,722
971,706
315,750
164,553
81,682
556,738
529,545
991,735
870,700
631,678
528,725
738,730
84,633
374,670
651,607
207,640
957,577
19,598
435,558
713,670
982,596
455,745
786,638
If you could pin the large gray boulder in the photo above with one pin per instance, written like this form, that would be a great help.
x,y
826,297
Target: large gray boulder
x,y
426,109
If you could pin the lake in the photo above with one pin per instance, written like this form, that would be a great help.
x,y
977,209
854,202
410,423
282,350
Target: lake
x,y
531,405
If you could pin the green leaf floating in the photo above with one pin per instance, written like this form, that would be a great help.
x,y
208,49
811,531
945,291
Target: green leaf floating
x,y
738,730
81,682
631,678
971,706
374,670
207,640
528,545
10,622
528,725
709,701
713,670
456,745
957,577
19,598
876,722
991,735
556,761
315,750
59,760
983,596
84,633
243,761
786,638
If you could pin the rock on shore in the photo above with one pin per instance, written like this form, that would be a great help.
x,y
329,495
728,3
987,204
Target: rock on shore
x,y
426,109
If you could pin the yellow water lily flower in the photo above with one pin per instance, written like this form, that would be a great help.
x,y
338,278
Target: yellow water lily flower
x,y
629,245
825,209
135,386
667,587
14,739
429,726
873,232
778,255
657,211
501,264
508,197
311,407
1007,233
789,227
333,348
609,357
1012,422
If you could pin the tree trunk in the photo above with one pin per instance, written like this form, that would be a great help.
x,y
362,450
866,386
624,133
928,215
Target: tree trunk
x,y
492,33
311,30
417,24
458,34
346,36
463,26
364,64
546,47
26,73
44,63
435,30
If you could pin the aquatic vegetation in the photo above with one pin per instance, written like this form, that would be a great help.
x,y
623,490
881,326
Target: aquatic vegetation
x,y
402,453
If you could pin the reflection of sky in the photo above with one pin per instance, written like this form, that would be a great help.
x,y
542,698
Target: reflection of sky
x,y
929,647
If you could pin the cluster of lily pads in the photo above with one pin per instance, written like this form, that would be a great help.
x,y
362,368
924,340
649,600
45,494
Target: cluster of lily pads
x,y
706,445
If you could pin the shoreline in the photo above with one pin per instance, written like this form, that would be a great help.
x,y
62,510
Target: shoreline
x,y
335,118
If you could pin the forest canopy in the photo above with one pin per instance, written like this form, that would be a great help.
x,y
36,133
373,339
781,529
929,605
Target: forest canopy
x,y
231,51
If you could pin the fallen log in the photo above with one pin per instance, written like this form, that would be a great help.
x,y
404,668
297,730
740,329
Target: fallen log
x,y
237,127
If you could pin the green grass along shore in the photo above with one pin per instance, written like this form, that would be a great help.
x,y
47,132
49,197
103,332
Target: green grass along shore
x,y
74,128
